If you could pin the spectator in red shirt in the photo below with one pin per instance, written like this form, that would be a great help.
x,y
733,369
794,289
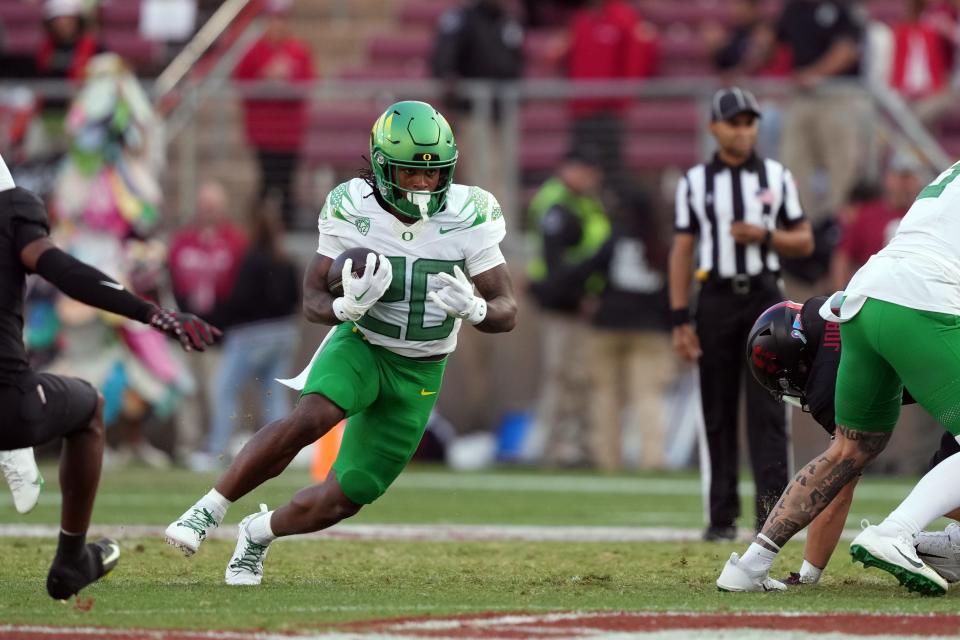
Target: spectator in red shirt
x,y
205,255
608,40
920,66
943,16
275,126
204,260
875,221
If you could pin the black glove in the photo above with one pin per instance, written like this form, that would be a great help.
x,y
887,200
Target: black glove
x,y
193,333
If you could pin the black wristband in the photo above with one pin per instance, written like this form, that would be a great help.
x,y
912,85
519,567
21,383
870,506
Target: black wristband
x,y
768,239
679,317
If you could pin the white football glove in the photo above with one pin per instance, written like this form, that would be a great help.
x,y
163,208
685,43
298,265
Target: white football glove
x,y
456,297
361,293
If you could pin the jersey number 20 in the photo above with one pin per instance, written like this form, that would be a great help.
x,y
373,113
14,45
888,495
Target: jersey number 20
x,y
416,330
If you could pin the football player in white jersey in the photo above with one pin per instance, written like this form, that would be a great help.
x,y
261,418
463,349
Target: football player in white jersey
x,y
382,365
900,326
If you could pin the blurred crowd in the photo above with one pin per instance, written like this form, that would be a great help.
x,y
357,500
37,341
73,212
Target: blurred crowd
x,y
596,232
597,226
104,157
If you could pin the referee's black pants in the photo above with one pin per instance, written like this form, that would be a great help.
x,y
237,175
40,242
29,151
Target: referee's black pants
x,y
724,320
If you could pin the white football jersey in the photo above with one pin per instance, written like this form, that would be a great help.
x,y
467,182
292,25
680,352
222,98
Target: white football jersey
x,y
920,267
467,232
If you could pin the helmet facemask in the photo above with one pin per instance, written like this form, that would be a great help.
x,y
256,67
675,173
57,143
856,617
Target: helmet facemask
x,y
792,384
415,204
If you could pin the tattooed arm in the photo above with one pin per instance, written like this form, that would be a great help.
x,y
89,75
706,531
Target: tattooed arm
x,y
814,486
824,531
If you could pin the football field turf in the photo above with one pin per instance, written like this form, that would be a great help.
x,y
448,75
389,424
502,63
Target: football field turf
x,y
533,542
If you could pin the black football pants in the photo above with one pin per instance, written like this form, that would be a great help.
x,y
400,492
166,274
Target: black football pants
x,y
43,407
724,320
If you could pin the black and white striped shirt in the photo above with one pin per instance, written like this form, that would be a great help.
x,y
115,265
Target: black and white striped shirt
x,y
711,196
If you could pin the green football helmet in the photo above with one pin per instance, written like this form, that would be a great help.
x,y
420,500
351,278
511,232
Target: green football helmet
x,y
412,134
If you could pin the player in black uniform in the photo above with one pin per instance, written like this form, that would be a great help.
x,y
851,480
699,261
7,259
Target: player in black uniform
x,y
795,354
39,407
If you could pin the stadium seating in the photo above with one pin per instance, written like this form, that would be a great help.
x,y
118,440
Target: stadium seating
x,y
396,43
661,132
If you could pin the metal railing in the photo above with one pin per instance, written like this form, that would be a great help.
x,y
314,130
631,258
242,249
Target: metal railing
x,y
209,33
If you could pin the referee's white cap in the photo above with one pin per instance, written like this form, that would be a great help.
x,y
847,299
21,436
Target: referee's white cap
x,y
732,101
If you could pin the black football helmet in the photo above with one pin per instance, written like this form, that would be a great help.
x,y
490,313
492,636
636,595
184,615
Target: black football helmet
x,y
778,353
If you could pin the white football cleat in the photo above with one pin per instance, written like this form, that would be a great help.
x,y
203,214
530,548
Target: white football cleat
x,y
20,471
246,565
189,530
941,551
896,555
736,577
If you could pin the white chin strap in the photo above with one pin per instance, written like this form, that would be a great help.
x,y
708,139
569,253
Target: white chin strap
x,y
420,199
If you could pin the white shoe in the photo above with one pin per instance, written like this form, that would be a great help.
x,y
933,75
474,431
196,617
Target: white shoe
x,y
941,551
20,470
896,555
246,565
736,577
189,530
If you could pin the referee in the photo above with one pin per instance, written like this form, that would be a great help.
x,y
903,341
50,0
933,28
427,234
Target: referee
x,y
736,213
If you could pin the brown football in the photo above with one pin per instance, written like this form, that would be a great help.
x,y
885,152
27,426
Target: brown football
x,y
359,257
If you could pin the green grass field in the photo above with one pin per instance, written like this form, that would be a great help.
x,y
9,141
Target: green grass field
x,y
312,583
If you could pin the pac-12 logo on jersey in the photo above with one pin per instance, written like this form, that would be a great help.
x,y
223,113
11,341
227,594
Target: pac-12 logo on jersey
x,y
363,225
